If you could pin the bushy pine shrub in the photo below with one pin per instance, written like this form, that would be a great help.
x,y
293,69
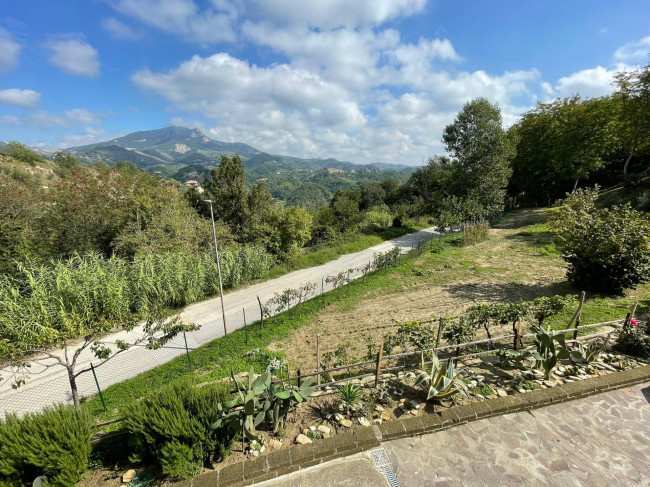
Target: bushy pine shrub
x,y
175,425
54,443
605,249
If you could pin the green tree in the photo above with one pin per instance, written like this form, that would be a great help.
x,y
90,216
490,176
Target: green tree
x,y
633,90
561,143
66,161
229,193
482,151
345,204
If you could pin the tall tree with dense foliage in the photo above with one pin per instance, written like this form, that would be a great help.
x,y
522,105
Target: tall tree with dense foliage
x,y
633,90
482,151
228,190
560,144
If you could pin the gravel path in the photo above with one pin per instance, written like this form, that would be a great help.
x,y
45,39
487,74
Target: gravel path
x,y
601,440
49,384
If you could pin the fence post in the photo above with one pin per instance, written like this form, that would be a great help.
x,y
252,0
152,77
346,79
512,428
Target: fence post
x,y
648,323
243,310
322,285
380,355
579,315
630,316
299,377
101,396
261,312
440,325
187,352
318,359
518,335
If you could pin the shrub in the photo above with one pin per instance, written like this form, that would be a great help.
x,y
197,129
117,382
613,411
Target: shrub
x,y
633,340
175,425
179,460
411,335
457,331
54,443
22,153
475,234
377,220
606,249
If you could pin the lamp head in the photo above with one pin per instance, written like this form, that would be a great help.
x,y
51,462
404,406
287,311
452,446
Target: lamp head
x,y
207,201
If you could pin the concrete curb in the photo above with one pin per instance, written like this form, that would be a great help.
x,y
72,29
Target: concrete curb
x,y
282,462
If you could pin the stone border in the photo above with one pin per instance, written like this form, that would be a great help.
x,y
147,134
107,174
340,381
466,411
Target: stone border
x,y
282,462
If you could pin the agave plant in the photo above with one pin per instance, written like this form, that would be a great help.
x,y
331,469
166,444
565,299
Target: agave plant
x,y
349,395
587,354
442,379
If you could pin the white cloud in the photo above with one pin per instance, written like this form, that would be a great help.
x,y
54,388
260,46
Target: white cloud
x,y
9,51
332,14
634,51
21,98
590,83
81,116
9,120
119,30
89,135
223,87
183,17
74,55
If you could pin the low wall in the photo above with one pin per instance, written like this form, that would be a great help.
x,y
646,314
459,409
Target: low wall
x,y
296,457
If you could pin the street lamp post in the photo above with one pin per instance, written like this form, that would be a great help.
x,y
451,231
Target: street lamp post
x,y
216,249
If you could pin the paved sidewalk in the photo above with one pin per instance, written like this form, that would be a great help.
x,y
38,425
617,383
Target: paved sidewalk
x,y
602,440
50,385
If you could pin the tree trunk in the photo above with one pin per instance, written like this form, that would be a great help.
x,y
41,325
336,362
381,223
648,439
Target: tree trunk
x,y
627,163
73,387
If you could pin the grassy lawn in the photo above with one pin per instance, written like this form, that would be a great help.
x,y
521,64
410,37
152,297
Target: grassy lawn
x,y
518,261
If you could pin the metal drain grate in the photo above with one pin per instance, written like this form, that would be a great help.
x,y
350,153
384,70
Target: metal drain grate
x,y
380,458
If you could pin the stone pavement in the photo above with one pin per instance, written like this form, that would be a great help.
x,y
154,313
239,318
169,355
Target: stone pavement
x,y
601,440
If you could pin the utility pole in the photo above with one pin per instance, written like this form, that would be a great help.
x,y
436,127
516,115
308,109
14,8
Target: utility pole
x,y
216,249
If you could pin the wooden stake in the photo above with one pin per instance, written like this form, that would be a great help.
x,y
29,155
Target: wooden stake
x,y
518,335
299,378
440,325
647,327
578,311
380,355
579,315
318,359
261,313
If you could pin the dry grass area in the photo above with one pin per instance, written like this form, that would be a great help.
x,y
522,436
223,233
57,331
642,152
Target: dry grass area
x,y
519,261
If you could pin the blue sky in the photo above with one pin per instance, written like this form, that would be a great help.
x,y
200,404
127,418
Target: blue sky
x,y
363,80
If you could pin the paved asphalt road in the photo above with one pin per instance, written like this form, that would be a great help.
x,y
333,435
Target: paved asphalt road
x,y
601,440
47,385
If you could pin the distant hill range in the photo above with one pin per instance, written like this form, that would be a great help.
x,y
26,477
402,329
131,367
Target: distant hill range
x,y
181,153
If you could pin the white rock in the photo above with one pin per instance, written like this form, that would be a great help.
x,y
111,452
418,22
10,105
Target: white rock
x,y
559,373
501,393
480,378
324,429
364,421
346,423
379,408
303,440
275,444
